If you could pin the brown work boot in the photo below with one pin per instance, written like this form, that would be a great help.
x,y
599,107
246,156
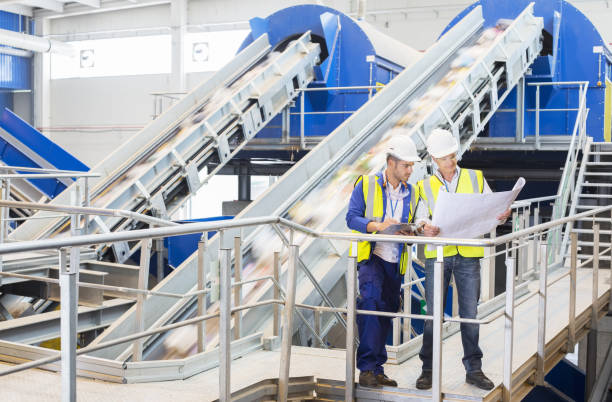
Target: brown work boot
x,y
368,379
480,380
385,381
424,381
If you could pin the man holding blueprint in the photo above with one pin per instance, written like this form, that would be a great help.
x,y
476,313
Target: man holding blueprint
x,y
458,201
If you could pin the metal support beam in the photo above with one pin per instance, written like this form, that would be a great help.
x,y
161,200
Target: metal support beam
x,y
520,110
571,337
244,183
202,303
351,316
143,276
285,363
438,314
237,288
225,316
591,369
540,371
5,192
407,308
276,308
69,275
508,330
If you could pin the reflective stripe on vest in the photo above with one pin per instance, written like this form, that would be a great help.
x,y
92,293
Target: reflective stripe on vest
x,y
372,194
476,185
431,200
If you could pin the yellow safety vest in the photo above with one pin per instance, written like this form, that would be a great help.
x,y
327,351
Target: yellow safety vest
x,y
373,197
470,181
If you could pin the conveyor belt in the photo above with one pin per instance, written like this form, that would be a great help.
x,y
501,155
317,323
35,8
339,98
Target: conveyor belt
x,y
159,169
324,177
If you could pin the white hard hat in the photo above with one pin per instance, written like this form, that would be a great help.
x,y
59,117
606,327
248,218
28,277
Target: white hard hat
x,y
402,147
441,143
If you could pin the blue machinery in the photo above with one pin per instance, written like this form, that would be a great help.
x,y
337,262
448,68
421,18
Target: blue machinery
x,y
277,95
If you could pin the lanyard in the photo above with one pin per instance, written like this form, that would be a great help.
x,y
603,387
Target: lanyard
x,y
394,207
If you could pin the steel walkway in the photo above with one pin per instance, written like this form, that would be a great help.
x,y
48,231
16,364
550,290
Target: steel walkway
x,y
323,370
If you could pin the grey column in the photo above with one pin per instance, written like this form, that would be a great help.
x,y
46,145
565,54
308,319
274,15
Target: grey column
x,y
68,314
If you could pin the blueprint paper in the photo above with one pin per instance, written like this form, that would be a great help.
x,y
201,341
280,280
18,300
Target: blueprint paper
x,y
470,216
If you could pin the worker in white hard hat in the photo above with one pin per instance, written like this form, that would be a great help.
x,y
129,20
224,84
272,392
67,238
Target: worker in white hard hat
x,y
461,262
377,202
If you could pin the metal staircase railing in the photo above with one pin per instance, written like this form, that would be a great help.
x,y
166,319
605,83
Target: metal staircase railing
x,y
570,183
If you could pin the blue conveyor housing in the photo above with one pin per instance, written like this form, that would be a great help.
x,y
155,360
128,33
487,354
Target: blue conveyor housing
x,y
23,145
573,50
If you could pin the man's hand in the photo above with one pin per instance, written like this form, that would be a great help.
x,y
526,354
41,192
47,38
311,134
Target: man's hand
x,y
380,226
388,222
503,217
406,233
430,230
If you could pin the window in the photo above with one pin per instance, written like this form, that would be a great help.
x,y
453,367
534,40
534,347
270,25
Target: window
x,y
203,51
114,57
209,51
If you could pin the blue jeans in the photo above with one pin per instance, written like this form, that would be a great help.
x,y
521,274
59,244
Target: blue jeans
x,y
379,290
467,279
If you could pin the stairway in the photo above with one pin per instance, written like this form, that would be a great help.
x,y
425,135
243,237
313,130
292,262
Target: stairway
x,y
593,189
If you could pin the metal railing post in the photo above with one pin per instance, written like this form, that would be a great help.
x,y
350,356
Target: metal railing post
x,y
285,362
143,276
571,336
202,303
520,251
508,329
86,202
536,256
525,260
438,311
68,312
4,195
351,306
591,366
237,288
225,316
159,248
595,290
276,307
397,326
537,118
316,316
407,308
515,218
542,316
609,300
302,107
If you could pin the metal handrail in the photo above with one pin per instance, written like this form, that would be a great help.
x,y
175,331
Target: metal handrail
x,y
72,209
200,227
74,173
569,169
437,317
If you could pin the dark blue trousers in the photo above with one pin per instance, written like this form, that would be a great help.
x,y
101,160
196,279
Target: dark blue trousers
x,y
379,290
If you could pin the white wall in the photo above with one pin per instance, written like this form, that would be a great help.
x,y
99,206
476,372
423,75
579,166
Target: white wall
x,y
125,101
91,116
